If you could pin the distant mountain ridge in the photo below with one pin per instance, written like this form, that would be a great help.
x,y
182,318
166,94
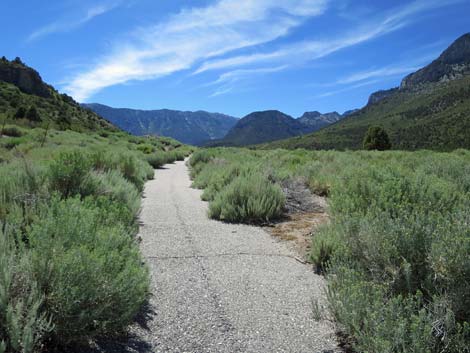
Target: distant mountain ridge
x,y
265,126
193,128
316,120
430,109
271,125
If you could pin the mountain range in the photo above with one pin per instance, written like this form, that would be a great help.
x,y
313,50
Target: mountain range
x,y
214,129
271,125
194,128
430,109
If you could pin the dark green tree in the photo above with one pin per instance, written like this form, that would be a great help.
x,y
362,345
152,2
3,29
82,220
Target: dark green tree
x,y
376,138
33,114
20,113
18,61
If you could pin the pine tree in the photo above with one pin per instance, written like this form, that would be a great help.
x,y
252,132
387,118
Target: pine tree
x,y
20,113
376,138
33,114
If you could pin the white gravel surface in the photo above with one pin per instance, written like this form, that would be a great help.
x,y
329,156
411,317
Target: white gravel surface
x,y
221,287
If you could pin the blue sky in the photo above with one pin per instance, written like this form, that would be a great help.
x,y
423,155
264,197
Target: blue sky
x,y
229,56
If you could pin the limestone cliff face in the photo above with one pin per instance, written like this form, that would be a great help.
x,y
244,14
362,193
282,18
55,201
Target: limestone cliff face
x,y
379,95
25,78
453,64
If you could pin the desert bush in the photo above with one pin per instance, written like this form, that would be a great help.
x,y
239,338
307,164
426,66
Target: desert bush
x,y
389,221
91,273
201,156
12,131
146,148
249,198
396,252
22,184
23,324
113,185
11,144
325,243
180,155
158,159
215,177
68,172
135,170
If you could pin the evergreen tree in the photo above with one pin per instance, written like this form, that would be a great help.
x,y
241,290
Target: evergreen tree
x,y
20,113
33,114
376,138
18,61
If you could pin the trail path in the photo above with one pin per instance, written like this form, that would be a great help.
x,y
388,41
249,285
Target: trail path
x,y
220,287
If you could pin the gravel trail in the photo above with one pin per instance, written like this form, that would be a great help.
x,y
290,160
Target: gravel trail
x,y
221,287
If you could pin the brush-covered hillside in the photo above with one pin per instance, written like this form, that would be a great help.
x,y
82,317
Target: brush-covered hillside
x,y
430,110
27,100
70,192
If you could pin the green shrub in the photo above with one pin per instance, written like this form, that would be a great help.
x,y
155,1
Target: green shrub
x,y
21,185
396,252
201,156
91,273
20,113
248,199
12,132
33,115
382,323
114,186
132,168
325,243
145,148
214,178
157,160
68,172
11,144
22,322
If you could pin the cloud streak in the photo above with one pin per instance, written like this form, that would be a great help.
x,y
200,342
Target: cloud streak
x,y
311,50
69,25
193,35
228,80
346,89
209,38
377,73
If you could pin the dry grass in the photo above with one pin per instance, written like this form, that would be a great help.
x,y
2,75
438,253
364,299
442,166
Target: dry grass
x,y
298,229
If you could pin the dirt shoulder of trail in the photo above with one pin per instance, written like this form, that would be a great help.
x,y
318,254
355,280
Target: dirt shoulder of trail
x,y
304,214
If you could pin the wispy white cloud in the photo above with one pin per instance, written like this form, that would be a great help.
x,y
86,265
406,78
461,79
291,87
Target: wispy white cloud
x,y
66,25
193,35
311,50
227,81
346,89
377,73
207,38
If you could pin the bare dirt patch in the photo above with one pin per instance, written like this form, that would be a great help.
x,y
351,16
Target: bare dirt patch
x,y
305,212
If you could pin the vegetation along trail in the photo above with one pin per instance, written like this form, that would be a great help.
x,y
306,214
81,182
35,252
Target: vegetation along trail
x,y
221,287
